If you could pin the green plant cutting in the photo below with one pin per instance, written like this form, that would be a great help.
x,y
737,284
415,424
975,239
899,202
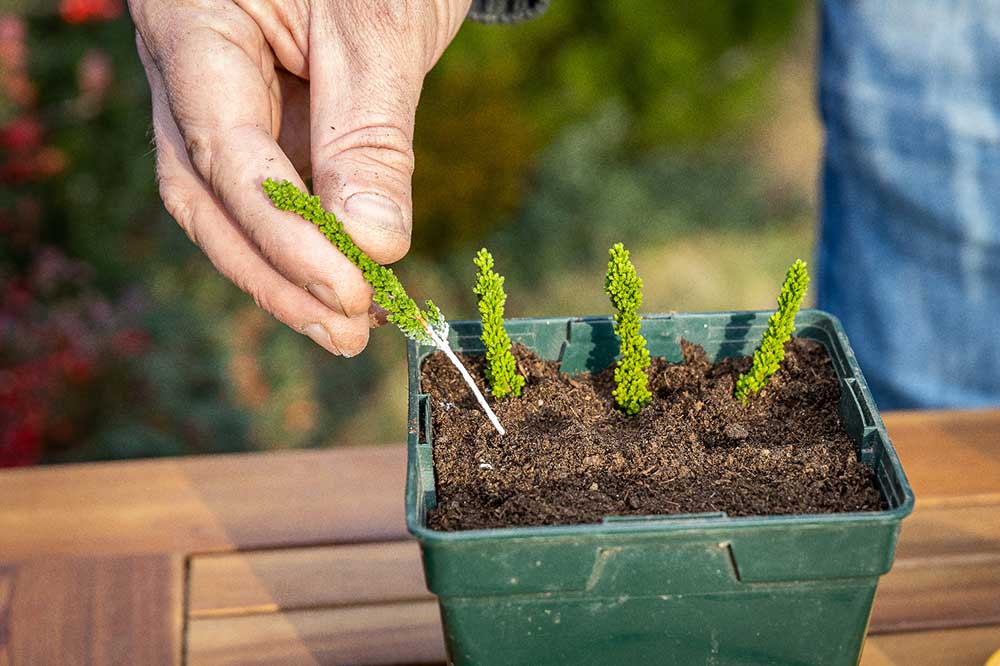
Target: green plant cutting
x,y
771,351
501,367
624,286
426,326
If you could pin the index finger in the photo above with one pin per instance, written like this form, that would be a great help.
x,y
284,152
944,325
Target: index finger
x,y
224,95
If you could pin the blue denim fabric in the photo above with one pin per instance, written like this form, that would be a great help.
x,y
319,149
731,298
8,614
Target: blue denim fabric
x,y
909,251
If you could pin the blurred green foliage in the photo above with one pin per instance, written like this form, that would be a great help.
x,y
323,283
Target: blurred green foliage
x,y
592,190
547,141
686,74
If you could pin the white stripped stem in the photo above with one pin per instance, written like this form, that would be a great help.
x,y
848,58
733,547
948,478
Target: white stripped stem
x,y
441,341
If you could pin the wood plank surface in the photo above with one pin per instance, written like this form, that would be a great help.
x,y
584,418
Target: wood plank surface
x,y
299,555
937,593
947,574
921,592
230,502
92,611
949,454
370,635
955,527
410,634
298,578
933,587
217,503
950,647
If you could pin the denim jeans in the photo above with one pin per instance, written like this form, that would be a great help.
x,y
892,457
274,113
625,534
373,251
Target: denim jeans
x,y
909,248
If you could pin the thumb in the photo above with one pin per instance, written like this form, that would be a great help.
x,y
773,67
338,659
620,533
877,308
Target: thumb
x,y
366,68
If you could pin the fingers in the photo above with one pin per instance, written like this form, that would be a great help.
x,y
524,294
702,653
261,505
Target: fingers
x,y
211,227
217,73
366,67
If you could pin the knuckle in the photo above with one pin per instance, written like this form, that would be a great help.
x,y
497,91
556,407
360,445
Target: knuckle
x,y
263,298
234,25
203,23
382,145
280,249
198,144
180,205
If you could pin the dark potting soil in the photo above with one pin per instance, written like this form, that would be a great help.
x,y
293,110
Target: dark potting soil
x,y
571,457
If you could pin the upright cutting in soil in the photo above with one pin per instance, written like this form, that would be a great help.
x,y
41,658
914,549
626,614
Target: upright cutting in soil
x,y
674,463
624,286
428,326
771,351
501,369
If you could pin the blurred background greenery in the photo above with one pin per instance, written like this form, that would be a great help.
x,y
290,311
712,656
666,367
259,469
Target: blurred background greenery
x,y
685,130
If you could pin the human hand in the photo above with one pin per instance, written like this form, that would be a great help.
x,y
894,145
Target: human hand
x,y
244,90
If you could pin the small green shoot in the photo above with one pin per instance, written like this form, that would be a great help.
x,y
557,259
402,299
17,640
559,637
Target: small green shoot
x,y
624,286
771,351
501,369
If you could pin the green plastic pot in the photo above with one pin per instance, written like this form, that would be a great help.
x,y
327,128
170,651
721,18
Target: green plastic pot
x,y
685,589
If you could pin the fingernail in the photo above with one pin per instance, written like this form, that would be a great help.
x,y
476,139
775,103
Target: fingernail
x,y
321,336
328,296
377,210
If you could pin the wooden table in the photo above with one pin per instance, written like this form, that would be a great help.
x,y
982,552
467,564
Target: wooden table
x,y
303,558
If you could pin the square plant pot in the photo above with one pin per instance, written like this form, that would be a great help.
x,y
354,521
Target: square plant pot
x,y
681,589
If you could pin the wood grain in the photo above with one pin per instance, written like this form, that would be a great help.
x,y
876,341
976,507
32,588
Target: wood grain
x,y
191,505
410,634
92,557
947,569
936,593
6,599
947,574
958,527
297,578
100,611
224,503
949,454
371,635
949,647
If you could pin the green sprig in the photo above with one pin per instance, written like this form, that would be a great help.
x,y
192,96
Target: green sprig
x,y
388,291
624,286
501,369
771,351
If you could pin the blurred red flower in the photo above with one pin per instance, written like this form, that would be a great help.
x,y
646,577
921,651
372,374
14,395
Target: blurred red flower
x,y
81,11
21,135
20,444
